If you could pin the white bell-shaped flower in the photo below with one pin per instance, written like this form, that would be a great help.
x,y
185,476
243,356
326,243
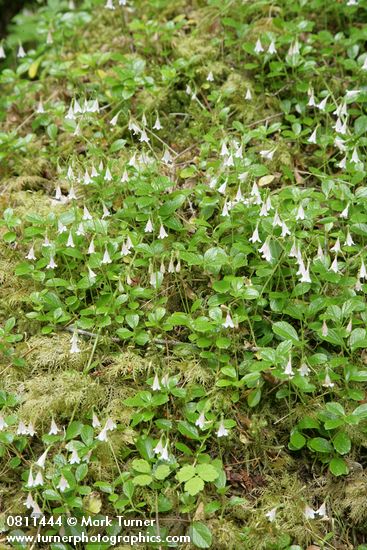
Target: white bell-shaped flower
x,y
149,227
272,49
95,421
222,430
266,251
21,53
54,429
106,257
51,264
288,368
91,248
228,323
74,458
42,460
74,348
162,233
31,255
38,480
200,421
63,484
349,240
258,46
157,125
156,385
313,137
309,513
70,241
255,235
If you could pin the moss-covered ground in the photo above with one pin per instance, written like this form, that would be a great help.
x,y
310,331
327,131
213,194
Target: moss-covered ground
x,y
182,269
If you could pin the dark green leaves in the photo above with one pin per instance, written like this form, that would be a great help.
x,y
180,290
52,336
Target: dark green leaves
x,y
286,331
342,443
320,445
200,535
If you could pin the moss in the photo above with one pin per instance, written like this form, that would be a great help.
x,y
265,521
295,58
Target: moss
x,y
282,156
226,534
125,365
349,498
31,167
37,202
14,292
206,37
194,372
236,86
358,437
262,26
194,49
289,495
105,467
28,182
115,408
50,353
12,503
59,395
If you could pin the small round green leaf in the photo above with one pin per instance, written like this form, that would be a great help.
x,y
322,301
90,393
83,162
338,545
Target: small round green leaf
x,y
342,443
142,480
142,466
200,535
194,485
338,467
207,472
320,445
297,441
185,473
162,471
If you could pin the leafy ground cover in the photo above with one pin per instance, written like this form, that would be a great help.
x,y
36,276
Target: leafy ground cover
x,y
183,268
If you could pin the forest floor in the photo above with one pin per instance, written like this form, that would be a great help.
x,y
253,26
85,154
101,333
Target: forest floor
x,y
183,271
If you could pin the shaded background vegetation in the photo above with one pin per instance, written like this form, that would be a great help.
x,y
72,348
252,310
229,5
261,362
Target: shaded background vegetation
x,y
280,450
